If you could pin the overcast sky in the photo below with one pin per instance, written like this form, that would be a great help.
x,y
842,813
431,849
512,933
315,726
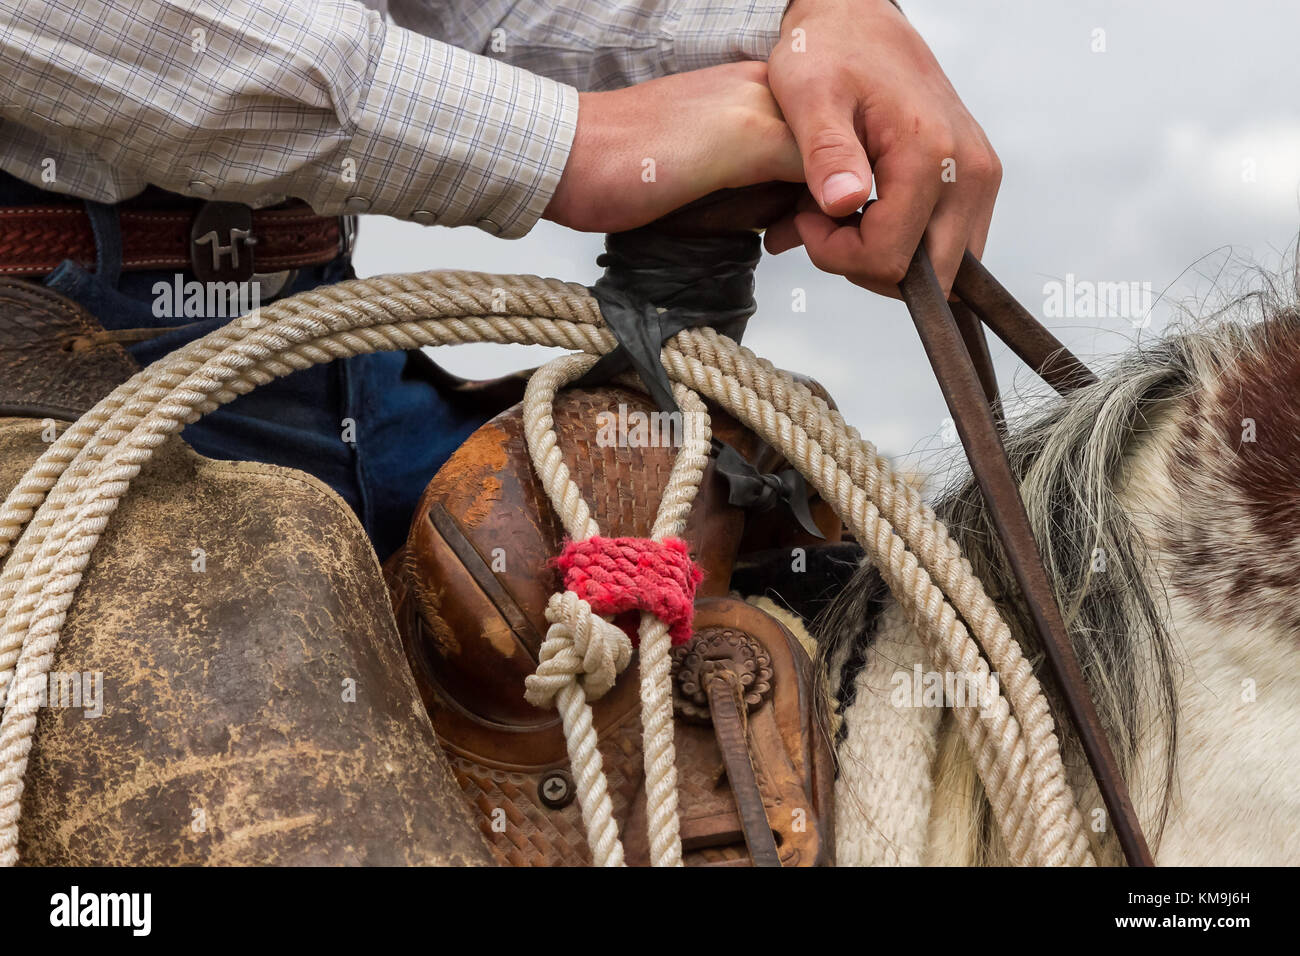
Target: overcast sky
x,y
1162,160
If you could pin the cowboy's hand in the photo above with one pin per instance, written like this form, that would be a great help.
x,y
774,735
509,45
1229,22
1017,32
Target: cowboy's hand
x,y
849,72
641,152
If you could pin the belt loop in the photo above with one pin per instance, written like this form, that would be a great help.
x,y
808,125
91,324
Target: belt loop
x,y
107,230
347,235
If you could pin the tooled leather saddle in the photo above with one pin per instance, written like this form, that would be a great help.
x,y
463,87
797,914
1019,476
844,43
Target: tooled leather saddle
x,y
470,588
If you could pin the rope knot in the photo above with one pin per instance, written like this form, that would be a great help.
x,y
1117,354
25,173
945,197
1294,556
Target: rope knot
x,y
619,576
580,645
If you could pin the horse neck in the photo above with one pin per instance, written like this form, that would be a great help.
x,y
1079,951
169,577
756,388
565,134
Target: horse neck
x,y
1199,504
1215,496
1205,516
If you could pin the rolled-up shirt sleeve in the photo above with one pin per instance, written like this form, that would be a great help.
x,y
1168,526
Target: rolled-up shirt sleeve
x,y
602,44
246,99
444,134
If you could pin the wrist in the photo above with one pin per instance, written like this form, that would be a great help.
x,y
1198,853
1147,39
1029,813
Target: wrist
x,y
587,136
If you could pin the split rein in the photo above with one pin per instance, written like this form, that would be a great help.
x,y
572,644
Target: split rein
x,y
52,520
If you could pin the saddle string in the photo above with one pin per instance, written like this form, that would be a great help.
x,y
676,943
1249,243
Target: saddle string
x,y
56,514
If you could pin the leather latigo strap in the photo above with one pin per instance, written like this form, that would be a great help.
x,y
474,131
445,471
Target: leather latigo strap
x,y
54,360
470,588
35,239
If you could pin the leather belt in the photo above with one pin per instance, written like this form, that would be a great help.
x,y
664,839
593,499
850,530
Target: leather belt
x,y
216,241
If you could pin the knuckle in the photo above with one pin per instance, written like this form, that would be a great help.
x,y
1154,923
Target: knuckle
x,y
932,141
995,164
748,71
756,125
983,166
888,268
995,175
829,145
819,255
935,139
939,145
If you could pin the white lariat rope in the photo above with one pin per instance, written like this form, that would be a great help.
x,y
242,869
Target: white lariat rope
x,y
53,518
583,653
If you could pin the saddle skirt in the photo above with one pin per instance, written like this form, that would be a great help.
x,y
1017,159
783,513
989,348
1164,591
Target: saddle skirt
x,y
470,589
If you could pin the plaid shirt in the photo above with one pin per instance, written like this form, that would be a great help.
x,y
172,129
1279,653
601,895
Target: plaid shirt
x,y
323,100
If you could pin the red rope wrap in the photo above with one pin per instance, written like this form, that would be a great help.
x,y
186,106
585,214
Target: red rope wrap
x,y
621,576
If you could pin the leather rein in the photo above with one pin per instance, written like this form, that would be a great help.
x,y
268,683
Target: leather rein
x,y
953,337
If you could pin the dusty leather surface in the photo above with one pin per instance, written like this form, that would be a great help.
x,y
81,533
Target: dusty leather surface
x,y
470,588
226,737
47,362
482,650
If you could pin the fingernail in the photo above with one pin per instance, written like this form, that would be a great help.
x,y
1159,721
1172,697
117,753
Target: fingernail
x,y
839,185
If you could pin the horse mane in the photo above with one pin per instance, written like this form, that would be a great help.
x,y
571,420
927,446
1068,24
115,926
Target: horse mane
x,y
1072,458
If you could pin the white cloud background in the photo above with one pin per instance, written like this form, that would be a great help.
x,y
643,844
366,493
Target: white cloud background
x,y
1125,165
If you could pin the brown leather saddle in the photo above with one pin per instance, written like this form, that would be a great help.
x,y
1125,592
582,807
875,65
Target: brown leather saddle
x,y
470,589
55,361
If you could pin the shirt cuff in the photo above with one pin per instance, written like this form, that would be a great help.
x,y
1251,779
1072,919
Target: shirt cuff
x,y
705,33
447,137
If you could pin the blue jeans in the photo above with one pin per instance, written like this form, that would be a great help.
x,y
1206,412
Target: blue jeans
x,y
373,427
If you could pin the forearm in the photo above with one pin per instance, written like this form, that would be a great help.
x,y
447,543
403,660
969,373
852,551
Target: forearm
x,y
602,45
325,102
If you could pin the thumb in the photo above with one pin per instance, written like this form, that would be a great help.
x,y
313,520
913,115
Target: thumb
x,y
835,164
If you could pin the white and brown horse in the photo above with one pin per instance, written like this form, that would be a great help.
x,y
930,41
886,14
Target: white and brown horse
x,y
1166,503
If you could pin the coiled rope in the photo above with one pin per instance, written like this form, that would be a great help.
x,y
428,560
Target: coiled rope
x,y
53,518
